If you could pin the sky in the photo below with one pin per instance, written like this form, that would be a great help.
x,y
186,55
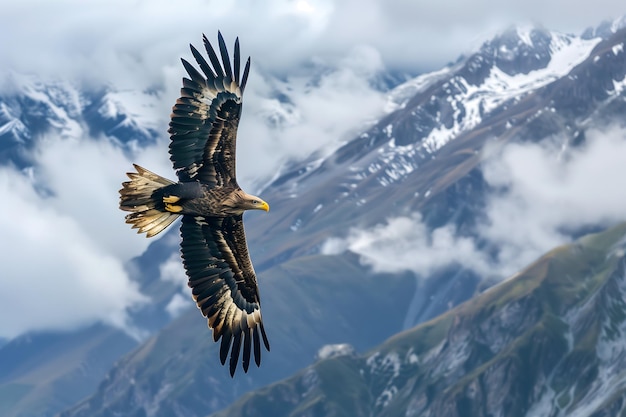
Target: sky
x,y
133,47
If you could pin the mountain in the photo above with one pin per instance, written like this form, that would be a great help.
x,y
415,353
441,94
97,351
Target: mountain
x,y
424,156
43,372
33,107
305,304
550,341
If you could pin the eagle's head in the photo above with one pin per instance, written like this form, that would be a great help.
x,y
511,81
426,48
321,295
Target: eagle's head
x,y
251,202
240,201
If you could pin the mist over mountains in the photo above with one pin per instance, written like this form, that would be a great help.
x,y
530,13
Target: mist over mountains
x,y
449,184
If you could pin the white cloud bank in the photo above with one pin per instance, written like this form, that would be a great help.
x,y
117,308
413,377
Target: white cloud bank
x,y
549,192
65,238
319,112
172,270
404,243
544,193
129,43
56,273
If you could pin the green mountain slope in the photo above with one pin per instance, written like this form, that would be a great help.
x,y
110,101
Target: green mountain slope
x,y
550,341
67,368
308,302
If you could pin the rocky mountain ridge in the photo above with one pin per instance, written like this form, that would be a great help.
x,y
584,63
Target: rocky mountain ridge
x,y
549,341
423,156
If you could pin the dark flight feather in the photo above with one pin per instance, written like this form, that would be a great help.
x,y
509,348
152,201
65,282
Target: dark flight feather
x,y
204,66
244,78
213,57
234,353
225,58
236,60
193,73
257,346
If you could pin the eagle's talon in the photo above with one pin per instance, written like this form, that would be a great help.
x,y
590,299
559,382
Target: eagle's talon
x,y
174,209
171,199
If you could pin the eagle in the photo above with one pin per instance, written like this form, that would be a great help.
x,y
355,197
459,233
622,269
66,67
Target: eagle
x,y
203,132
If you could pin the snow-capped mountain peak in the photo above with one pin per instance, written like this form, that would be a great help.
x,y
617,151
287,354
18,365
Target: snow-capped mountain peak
x,y
439,107
136,111
552,58
31,108
35,106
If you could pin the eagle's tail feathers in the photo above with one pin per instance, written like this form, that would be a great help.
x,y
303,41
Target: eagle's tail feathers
x,y
148,213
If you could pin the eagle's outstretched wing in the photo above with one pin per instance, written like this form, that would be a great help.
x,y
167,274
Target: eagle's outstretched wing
x,y
223,284
204,120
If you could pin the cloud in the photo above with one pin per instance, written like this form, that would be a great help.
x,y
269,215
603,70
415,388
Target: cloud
x,y
405,243
178,304
550,192
172,270
541,194
97,41
68,243
57,273
314,113
82,177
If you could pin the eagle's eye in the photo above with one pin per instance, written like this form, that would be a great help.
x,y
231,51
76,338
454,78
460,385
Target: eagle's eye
x,y
255,201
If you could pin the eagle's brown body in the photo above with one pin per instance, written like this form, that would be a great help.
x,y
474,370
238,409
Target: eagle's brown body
x,y
196,199
203,131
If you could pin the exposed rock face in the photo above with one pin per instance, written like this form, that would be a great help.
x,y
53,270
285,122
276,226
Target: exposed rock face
x,y
550,341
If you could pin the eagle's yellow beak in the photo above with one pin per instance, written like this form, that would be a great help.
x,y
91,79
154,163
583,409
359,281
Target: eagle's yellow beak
x,y
264,206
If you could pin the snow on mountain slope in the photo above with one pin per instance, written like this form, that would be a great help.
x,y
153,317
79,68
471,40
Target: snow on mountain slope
x,y
11,126
479,96
399,96
460,103
60,109
476,102
133,111
472,103
35,106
